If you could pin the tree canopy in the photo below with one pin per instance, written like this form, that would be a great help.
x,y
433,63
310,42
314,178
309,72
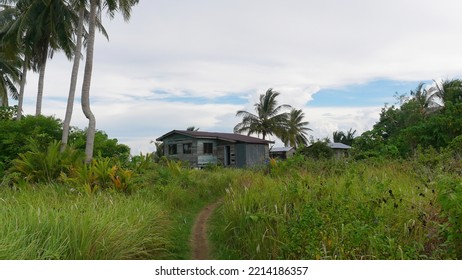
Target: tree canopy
x,y
424,118
270,119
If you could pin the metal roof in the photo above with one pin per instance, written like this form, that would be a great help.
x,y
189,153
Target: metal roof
x,y
338,146
281,149
230,137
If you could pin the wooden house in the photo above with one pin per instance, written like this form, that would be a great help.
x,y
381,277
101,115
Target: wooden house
x,y
201,148
340,149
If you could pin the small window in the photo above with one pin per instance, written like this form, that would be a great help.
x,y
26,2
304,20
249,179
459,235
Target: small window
x,y
187,148
208,148
172,149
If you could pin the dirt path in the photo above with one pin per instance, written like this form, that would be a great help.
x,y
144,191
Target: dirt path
x,y
199,242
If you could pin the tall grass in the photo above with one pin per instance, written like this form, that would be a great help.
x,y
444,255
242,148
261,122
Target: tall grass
x,y
297,209
184,192
74,217
52,223
335,210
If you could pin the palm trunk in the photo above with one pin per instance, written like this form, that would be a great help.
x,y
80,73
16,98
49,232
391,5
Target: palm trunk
x,y
4,96
91,130
21,88
74,75
43,64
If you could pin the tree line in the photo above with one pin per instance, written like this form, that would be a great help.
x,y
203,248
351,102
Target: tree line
x,y
425,118
430,116
31,31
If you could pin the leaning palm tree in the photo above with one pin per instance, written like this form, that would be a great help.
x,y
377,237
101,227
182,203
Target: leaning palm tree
x,y
294,133
74,74
80,32
124,7
268,120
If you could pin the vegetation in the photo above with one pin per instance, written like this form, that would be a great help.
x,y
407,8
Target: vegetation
x,y
306,207
426,118
270,120
327,209
398,196
346,138
35,134
32,30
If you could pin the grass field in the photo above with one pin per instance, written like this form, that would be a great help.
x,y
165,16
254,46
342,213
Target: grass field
x,y
298,209
342,210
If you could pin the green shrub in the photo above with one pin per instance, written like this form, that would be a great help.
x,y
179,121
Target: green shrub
x,y
46,165
318,150
15,136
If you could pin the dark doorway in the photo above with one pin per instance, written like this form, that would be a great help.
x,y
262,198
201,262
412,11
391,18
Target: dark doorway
x,y
227,155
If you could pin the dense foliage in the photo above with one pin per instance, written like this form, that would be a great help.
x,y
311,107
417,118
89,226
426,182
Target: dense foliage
x,y
426,117
16,136
34,134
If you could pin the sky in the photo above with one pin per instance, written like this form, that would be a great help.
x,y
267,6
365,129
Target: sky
x,y
186,63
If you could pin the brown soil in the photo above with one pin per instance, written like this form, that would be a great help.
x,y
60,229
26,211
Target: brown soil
x,y
199,242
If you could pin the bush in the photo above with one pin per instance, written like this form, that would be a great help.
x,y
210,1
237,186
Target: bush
x,y
318,150
38,165
15,136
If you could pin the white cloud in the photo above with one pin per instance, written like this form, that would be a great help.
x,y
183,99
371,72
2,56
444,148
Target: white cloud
x,y
325,120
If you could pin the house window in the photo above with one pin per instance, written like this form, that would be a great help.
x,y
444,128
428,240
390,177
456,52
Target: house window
x,y
187,148
172,149
208,148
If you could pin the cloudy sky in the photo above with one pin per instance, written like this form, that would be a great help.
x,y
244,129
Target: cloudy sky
x,y
195,63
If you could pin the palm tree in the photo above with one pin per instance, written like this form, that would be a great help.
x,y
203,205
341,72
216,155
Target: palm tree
x,y
40,28
13,35
124,7
345,138
10,62
268,121
79,5
192,128
338,136
9,75
295,130
425,99
52,27
349,137
448,91
74,74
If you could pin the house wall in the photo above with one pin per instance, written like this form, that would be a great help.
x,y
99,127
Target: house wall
x,y
204,159
221,148
251,154
340,153
179,141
